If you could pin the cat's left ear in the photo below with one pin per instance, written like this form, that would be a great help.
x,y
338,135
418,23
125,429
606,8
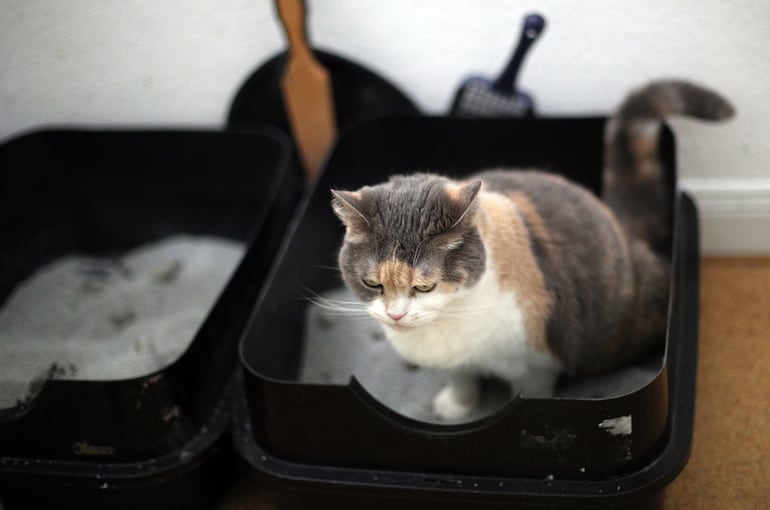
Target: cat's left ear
x,y
348,206
464,202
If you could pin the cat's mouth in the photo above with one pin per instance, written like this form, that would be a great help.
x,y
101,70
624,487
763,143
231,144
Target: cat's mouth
x,y
400,327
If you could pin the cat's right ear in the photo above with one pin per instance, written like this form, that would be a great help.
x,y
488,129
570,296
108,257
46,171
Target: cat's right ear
x,y
463,199
348,206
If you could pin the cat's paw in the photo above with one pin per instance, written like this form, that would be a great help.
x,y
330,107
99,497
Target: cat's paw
x,y
450,406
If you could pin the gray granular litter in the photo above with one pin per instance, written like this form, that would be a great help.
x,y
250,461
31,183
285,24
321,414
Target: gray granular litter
x,y
338,346
104,319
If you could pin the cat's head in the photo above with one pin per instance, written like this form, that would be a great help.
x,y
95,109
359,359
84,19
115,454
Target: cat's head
x,y
410,245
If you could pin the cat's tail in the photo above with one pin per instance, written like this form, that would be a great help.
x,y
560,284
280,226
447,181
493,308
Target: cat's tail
x,y
634,186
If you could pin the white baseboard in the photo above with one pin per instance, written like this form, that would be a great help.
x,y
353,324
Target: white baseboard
x,y
734,214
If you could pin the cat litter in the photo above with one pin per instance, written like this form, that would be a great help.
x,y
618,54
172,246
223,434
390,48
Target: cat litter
x,y
339,345
85,318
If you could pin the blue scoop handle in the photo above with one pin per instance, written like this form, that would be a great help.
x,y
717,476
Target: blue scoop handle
x,y
533,26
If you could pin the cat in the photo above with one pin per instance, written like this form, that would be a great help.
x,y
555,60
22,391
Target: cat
x,y
521,274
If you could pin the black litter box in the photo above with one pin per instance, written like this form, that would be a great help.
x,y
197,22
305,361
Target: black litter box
x,y
336,446
155,441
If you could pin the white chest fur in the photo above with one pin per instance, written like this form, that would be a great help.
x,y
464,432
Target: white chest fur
x,y
482,330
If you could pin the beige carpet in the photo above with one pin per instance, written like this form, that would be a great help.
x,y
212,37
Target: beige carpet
x,y
730,464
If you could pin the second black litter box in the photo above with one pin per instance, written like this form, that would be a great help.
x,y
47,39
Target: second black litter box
x,y
156,440
336,446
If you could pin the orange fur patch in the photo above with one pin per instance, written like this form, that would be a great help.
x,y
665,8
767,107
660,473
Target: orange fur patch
x,y
447,287
395,273
648,171
453,191
644,144
510,255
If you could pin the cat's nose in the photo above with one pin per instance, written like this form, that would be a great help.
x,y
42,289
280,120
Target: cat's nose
x,y
396,315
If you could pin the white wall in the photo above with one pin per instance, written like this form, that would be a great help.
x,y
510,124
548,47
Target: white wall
x,y
179,62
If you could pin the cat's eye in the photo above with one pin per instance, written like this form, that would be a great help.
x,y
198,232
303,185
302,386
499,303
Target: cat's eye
x,y
427,287
372,284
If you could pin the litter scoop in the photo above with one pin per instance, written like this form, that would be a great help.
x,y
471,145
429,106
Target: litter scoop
x,y
480,97
307,92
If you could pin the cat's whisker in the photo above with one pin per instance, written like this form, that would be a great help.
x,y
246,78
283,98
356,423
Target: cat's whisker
x,y
438,323
348,316
314,296
341,312
331,268
338,301
338,307
465,316
472,307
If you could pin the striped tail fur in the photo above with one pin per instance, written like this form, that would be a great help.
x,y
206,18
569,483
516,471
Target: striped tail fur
x,y
634,186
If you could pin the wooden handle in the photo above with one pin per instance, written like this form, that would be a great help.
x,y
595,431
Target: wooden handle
x,y
292,15
307,93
